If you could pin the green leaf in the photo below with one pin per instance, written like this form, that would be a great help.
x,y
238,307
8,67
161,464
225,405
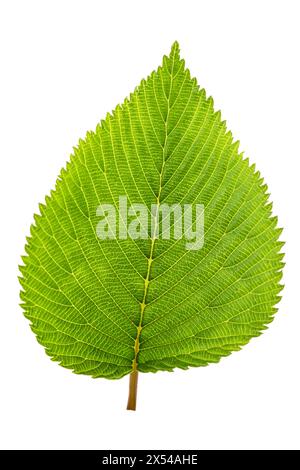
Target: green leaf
x,y
109,307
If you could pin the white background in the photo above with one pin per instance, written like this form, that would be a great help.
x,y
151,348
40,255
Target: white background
x,y
64,64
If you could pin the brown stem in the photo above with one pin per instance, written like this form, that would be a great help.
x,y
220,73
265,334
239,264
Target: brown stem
x,y
133,383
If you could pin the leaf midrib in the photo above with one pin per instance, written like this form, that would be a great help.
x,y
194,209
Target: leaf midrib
x,y
153,237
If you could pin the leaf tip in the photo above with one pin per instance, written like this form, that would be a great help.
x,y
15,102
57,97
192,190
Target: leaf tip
x,y
175,50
